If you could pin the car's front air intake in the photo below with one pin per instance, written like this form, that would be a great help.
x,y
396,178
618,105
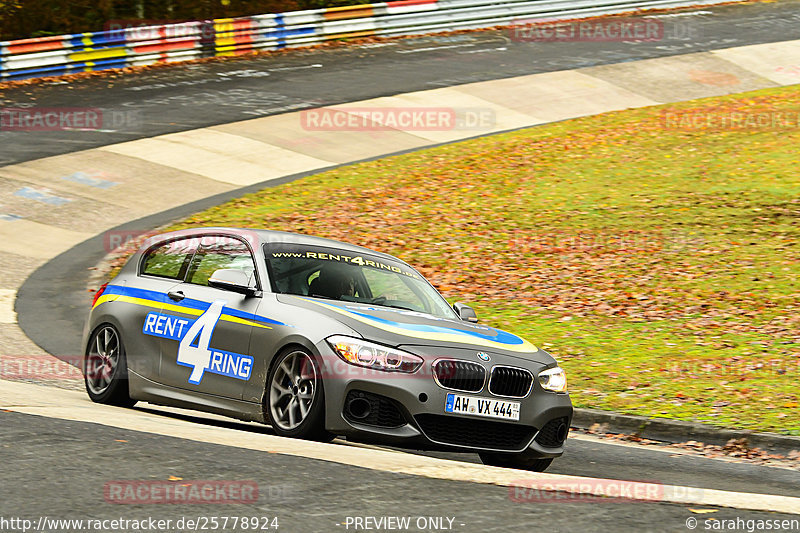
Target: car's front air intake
x,y
474,433
459,375
510,381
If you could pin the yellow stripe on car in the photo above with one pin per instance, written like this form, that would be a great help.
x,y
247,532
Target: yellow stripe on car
x,y
174,308
524,347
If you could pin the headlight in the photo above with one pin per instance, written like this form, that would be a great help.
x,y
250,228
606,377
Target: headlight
x,y
553,379
370,355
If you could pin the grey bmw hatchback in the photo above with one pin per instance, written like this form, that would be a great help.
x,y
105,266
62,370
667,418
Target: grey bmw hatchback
x,y
319,339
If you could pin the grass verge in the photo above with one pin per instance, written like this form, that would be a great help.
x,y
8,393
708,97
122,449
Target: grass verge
x,y
657,258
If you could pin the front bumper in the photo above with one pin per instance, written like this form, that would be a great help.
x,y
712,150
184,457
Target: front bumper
x,y
414,415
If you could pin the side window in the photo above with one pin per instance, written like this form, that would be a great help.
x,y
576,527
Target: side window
x,y
168,260
215,253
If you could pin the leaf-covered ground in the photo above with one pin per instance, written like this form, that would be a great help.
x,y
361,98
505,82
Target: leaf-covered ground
x,y
660,264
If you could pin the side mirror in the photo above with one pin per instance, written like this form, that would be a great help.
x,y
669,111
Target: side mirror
x,y
465,312
233,280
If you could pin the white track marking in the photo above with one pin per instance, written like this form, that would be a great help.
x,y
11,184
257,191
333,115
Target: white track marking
x,y
304,67
7,314
434,48
677,15
499,49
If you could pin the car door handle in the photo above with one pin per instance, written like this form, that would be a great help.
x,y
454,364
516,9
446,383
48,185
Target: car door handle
x,y
176,295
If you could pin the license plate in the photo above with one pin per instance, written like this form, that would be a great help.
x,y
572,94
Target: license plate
x,y
488,407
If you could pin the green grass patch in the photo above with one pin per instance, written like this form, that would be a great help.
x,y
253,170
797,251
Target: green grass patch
x,y
659,264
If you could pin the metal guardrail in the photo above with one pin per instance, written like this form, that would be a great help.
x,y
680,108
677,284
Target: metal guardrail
x,y
65,54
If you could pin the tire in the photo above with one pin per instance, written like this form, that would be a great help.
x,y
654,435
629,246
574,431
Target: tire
x,y
294,402
523,461
105,368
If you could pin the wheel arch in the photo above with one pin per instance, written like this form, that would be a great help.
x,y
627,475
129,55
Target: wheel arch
x,y
290,343
96,323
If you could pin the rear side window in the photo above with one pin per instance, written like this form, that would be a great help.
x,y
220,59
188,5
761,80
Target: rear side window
x,y
170,260
215,253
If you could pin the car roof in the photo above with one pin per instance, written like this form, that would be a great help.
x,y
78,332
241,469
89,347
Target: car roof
x,y
282,237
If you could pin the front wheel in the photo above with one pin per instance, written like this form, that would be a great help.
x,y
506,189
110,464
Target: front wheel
x,y
295,398
105,369
524,461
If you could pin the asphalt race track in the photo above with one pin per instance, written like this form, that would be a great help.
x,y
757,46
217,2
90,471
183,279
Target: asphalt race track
x,y
304,494
60,452
187,97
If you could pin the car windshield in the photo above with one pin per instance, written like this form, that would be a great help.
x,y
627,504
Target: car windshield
x,y
329,273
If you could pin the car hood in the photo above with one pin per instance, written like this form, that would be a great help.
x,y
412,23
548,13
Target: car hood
x,y
398,327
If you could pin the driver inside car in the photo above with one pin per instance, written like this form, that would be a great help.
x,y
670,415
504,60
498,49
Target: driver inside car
x,y
333,282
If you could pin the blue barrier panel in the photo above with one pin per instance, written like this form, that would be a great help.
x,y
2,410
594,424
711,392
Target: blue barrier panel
x,y
37,72
61,70
281,32
99,39
101,64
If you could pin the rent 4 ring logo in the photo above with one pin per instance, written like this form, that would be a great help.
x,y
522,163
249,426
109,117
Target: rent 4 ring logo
x,y
194,337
